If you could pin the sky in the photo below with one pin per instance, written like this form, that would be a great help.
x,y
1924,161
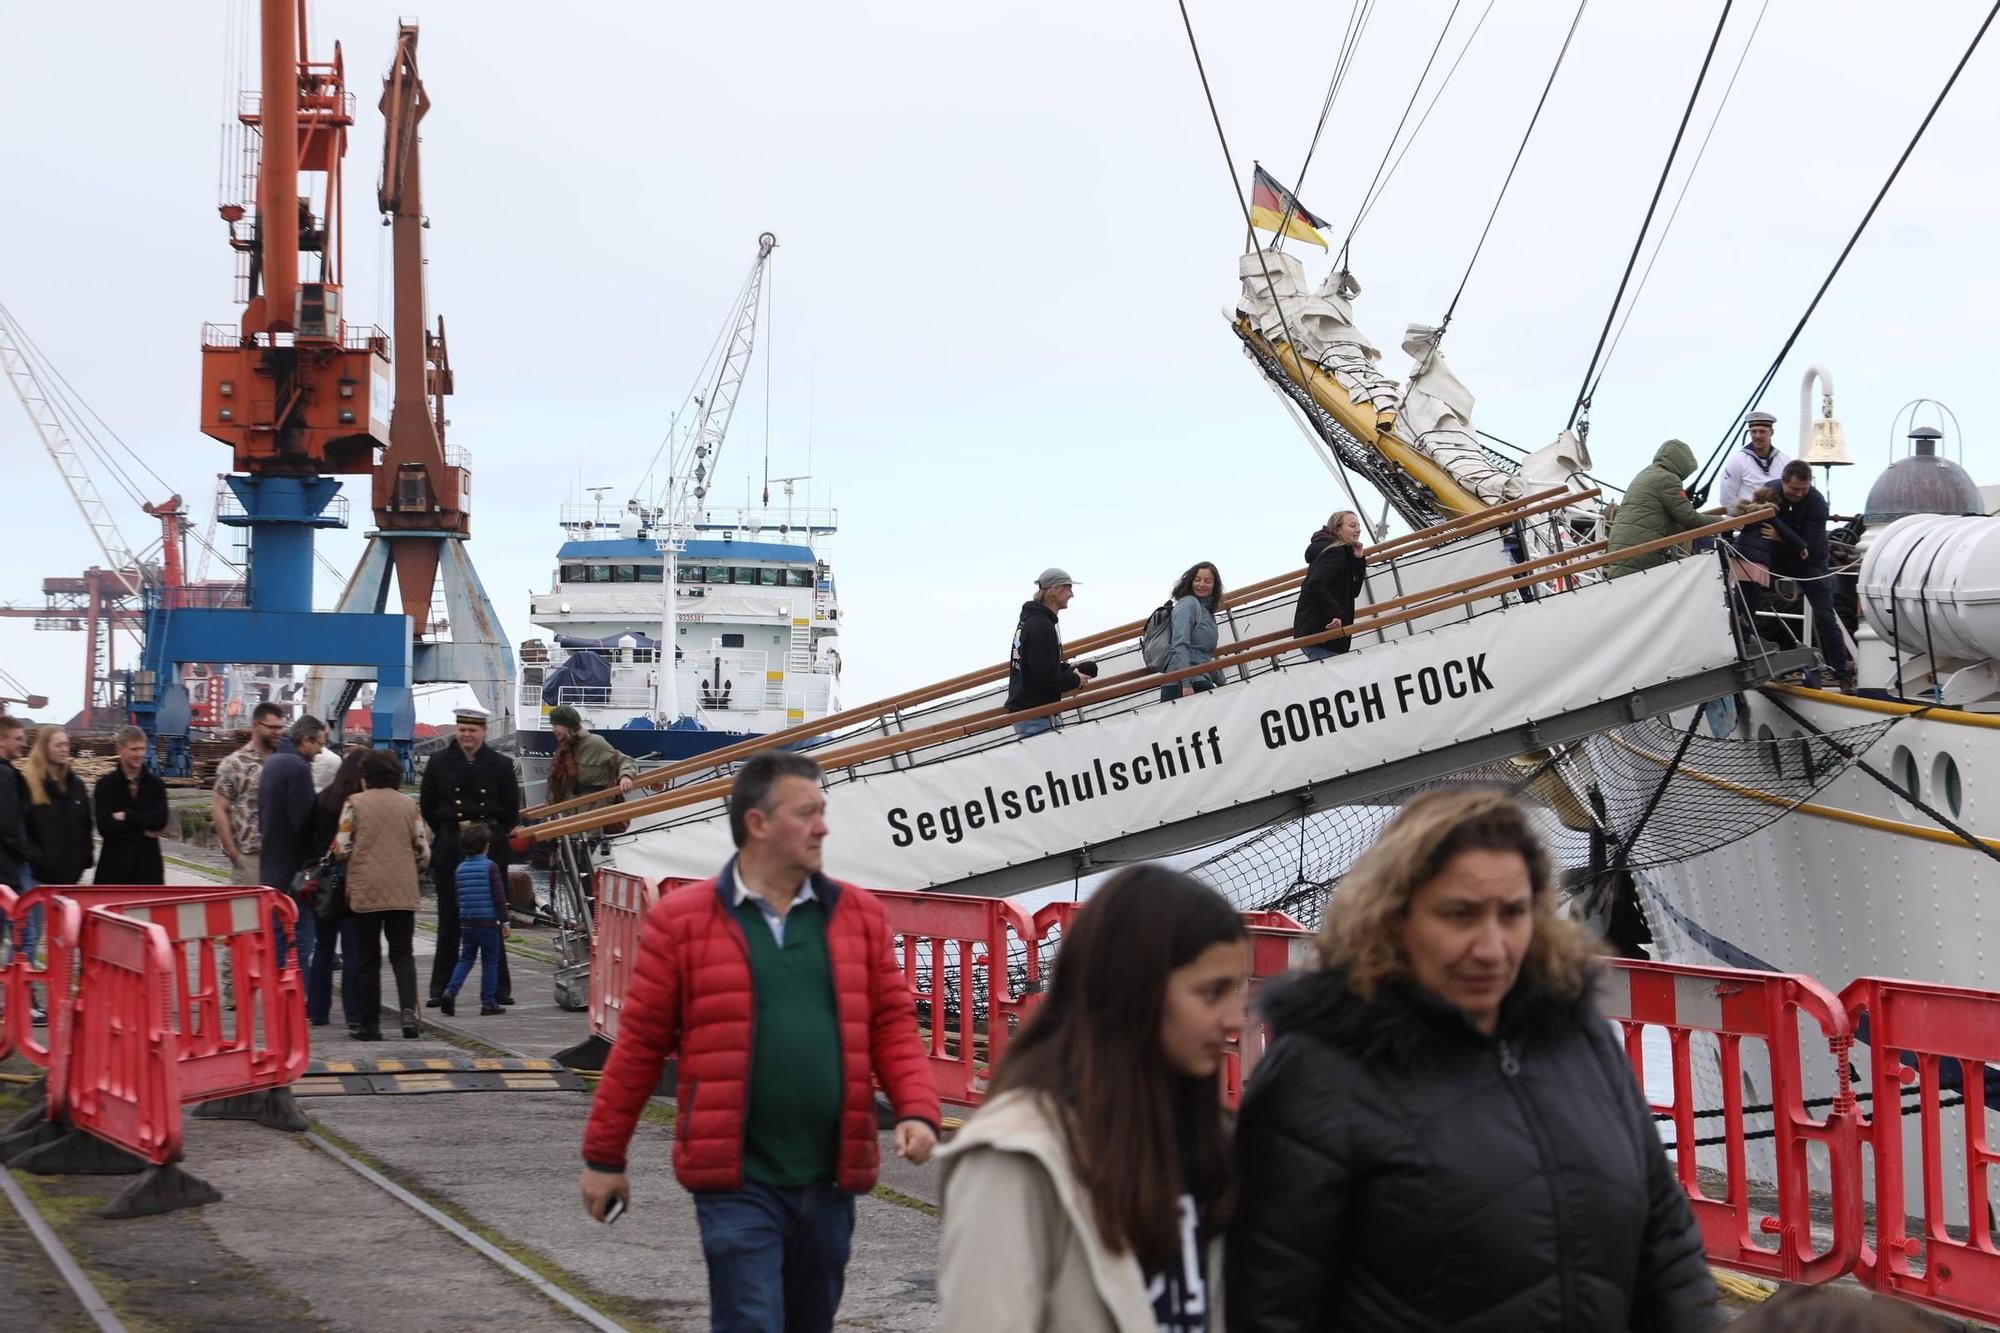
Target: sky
x,y
1007,249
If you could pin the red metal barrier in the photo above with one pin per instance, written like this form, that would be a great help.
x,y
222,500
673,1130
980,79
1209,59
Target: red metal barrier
x,y
255,1042
124,1052
1278,945
1766,1007
53,980
260,1039
1927,1036
622,903
955,953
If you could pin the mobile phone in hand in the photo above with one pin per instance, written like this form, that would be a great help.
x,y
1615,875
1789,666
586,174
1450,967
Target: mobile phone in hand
x,y
615,1209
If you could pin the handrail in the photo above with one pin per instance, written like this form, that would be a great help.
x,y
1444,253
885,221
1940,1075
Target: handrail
x,y
1465,525
1474,588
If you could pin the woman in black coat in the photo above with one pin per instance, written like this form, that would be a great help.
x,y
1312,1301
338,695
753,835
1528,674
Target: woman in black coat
x,y
131,810
1444,1133
1335,568
58,814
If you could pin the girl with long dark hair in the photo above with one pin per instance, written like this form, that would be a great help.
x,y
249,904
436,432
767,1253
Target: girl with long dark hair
x,y
1197,597
1090,1191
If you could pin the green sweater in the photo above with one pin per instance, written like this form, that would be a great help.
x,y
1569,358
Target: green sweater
x,y
792,1131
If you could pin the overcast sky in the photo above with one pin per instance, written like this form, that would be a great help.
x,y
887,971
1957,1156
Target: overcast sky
x,y
1007,244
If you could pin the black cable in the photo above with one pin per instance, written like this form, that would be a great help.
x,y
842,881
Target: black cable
x,y
1350,43
1375,196
1763,385
1407,108
1542,102
1639,241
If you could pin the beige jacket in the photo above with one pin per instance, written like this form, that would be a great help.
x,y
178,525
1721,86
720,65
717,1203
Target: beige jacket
x,y
384,842
1020,1252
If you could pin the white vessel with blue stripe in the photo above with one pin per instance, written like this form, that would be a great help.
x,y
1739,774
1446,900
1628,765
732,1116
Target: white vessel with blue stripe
x,y
755,631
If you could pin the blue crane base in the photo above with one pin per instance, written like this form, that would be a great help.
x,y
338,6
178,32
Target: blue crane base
x,y
175,638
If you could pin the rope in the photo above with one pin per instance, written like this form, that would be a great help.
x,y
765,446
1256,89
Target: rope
x,y
1763,385
1583,393
1243,203
1407,108
1631,840
1369,206
1350,44
1938,817
1532,120
1681,198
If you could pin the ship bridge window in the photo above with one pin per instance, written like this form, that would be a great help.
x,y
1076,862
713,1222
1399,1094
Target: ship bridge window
x,y
624,574
716,574
575,573
688,573
769,577
798,578
599,573
652,573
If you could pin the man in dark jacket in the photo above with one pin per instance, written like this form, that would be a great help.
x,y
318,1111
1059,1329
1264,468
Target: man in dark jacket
x,y
469,782
285,800
1335,569
1655,506
1402,1168
1804,512
1036,671
776,988
13,804
131,804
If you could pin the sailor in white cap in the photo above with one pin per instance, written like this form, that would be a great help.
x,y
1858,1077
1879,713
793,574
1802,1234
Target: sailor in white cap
x,y
1757,464
1037,673
466,783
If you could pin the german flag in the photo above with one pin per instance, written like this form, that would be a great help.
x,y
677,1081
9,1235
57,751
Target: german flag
x,y
1274,208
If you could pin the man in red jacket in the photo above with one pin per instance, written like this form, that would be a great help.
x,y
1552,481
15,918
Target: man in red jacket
x,y
777,988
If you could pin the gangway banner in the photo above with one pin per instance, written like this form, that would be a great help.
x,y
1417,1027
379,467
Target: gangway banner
x,y
1023,800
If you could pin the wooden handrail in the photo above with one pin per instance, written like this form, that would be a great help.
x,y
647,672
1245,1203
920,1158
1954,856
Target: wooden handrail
x,y
1471,589
1465,525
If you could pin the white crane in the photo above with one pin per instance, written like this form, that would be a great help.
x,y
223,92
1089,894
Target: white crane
x,y
693,456
19,358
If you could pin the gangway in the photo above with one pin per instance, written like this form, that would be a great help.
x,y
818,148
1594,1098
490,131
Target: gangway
x,y
1469,668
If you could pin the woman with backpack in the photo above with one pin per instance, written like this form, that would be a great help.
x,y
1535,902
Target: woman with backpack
x,y
1335,570
1089,1192
1191,632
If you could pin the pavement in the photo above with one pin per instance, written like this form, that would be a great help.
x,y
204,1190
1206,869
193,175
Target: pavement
x,y
347,1254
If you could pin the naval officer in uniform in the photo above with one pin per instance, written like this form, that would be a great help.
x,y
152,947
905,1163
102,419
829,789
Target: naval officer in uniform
x,y
469,783
1759,463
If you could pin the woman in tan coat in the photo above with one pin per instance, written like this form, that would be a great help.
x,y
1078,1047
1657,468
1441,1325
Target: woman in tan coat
x,y
384,842
1090,1191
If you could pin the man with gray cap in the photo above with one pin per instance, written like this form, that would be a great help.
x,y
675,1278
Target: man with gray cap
x,y
1036,671
1757,464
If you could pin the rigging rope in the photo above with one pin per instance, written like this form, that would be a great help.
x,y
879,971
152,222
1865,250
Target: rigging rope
x,y
1350,43
1667,227
1509,180
1243,203
1407,108
1638,242
1703,479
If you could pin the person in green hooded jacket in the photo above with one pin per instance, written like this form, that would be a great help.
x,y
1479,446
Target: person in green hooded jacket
x,y
1655,505
585,763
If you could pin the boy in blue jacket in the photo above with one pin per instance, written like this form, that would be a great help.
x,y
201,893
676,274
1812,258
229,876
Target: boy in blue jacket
x,y
482,919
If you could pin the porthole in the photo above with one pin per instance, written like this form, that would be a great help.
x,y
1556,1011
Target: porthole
x,y
1945,783
1903,767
